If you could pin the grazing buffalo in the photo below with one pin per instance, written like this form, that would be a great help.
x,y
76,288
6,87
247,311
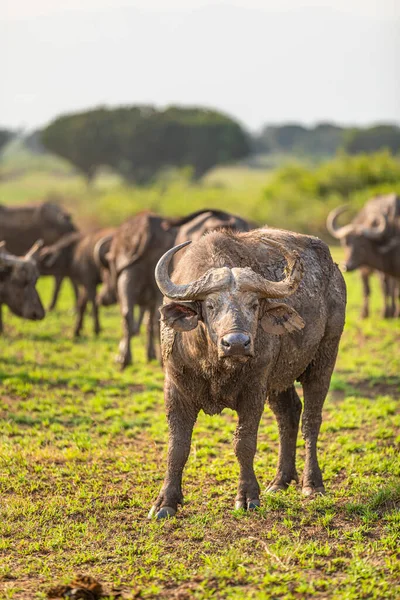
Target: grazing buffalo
x,y
371,242
18,277
81,257
21,226
134,252
245,315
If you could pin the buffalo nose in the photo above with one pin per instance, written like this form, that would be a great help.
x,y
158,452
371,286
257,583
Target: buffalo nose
x,y
236,344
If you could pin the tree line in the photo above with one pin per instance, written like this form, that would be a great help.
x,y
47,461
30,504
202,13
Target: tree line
x,y
326,139
141,141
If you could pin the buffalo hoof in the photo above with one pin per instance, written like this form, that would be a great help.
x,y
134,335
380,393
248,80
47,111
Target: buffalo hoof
x,y
309,491
277,487
123,361
250,505
165,512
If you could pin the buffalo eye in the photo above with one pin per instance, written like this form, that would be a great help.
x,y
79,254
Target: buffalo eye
x,y
254,306
210,306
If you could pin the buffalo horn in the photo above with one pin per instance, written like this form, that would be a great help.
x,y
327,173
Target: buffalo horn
x,y
334,230
32,254
213,280
376,232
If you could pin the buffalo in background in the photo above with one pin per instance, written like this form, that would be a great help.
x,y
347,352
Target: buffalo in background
x,y
18,277
21,226
81,257
372,242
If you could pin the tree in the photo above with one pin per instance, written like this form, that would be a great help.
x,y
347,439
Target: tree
x,y
139,141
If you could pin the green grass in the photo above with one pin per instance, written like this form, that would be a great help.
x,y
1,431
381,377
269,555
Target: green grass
x,y
82,457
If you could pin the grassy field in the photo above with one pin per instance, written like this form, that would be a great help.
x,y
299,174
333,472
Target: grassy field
x,y
82,457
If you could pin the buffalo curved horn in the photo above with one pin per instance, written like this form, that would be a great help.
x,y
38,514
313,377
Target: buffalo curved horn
x,y
334,230
212,280
250,281
6,259
33,253
100,252
375,232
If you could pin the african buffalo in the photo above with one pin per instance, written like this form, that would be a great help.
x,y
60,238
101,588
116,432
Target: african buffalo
x,y
81,258
134,252
368,240
18,277
245,316
21,226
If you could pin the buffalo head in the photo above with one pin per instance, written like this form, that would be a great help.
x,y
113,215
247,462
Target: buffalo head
x,y
357,238
18,277
56,221
227,301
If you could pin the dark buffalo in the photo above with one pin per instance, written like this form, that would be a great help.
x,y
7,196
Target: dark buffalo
x,y
134,252
18,277
245,316
21,226
135,249
370,240
81,257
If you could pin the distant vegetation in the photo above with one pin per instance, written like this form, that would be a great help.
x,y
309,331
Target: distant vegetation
x,y
139,142
297,195
326,139
5,136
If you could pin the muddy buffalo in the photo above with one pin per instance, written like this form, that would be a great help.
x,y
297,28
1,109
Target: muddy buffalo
x,y
21,226
245,315
18,277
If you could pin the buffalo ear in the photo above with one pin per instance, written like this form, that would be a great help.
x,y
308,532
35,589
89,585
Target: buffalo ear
x,y
281,318
180,316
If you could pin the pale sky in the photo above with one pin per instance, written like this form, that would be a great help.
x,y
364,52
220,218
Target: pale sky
x,y
262,61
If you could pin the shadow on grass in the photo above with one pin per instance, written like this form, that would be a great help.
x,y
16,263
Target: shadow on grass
x,y
367,388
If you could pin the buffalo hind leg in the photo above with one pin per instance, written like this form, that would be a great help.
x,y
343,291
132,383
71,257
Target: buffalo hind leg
x,y
181,419
286,407
315,382
126,303
1,319
245,446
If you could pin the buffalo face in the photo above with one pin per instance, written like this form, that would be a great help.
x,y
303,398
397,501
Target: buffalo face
x,y
230,304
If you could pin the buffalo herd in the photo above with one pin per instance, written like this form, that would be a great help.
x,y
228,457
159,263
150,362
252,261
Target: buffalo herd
x,y
245,312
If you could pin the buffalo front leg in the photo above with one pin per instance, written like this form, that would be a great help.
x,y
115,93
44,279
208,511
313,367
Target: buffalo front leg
x,y
151,349
58,279
126,303
82,303
1,318
365,275
181,420
286,407
138,323
315,382
245,446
